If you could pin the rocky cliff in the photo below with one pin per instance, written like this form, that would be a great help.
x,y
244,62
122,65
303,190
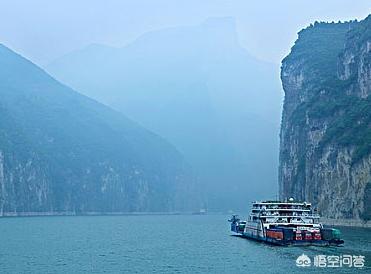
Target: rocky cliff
x,y
325,147
63,152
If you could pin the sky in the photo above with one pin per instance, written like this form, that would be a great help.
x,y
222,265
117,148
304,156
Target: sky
x,y
43,30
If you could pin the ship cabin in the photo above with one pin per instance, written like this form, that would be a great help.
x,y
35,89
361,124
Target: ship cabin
x,y
289,214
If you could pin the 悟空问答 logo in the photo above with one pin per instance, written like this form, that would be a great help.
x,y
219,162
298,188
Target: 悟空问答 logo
x,y
303,261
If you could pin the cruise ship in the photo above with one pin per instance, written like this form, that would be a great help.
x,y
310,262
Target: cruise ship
x,y
285,223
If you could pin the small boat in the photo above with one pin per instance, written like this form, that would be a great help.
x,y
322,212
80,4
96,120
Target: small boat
x,y
202,211
285,223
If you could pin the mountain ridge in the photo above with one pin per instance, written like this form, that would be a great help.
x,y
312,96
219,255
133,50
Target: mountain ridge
x,y
197,87
62,151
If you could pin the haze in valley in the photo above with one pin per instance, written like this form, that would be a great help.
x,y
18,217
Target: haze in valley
x,y
202,75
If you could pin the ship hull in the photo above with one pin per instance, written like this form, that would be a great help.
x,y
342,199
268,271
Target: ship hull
x,y
285,223
283,242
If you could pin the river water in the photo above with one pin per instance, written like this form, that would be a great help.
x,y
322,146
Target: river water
x,y
155,244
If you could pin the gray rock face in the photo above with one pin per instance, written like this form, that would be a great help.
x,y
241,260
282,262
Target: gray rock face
x,y
325,147
63,152
354,64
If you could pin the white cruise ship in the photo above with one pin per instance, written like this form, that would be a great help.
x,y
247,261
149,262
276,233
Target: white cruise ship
x,y
285,223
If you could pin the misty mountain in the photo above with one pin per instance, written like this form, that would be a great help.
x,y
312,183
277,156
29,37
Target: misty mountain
x,y
61,151
198,88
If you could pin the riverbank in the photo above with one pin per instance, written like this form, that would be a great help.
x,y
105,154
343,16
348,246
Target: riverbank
x,y
345,222
89,213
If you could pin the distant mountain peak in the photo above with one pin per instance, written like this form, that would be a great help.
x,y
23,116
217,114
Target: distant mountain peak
x,y
222,29
197,87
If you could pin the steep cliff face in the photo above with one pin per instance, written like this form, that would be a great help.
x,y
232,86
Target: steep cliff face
x,y
61,151
325,147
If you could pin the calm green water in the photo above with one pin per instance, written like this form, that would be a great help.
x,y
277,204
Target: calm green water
x,y
153,244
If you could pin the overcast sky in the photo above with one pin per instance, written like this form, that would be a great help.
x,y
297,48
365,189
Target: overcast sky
x,y
43,30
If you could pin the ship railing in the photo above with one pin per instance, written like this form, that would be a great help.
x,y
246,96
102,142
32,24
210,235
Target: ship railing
x,y
311,216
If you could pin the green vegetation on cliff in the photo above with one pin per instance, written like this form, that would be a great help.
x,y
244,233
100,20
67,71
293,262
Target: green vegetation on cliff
x,y
318,49
325,149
